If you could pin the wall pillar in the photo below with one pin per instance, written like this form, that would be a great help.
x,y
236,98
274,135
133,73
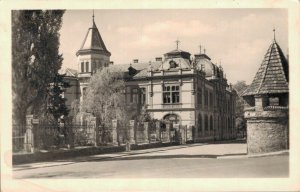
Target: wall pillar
x,y
157,130
131,131
145,132
168,133
29,139
114,135
94,136
183,134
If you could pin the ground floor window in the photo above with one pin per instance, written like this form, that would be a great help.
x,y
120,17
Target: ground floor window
x,y
206,122
211,123
199,124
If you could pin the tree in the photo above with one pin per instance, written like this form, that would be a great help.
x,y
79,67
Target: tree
x,y
56,105
104,97
35,59
240,87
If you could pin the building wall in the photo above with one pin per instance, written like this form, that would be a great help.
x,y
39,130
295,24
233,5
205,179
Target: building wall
x,y
95,61
198,105
267,131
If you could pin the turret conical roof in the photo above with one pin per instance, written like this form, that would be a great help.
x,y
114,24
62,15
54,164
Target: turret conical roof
x,y
272,76
93,42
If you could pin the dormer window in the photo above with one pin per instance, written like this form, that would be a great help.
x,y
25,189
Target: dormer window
x,y
173,64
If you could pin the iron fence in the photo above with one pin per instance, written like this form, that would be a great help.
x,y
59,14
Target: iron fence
x,y
18,137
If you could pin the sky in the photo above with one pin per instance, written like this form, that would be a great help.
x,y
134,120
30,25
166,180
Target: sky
x,y
236,38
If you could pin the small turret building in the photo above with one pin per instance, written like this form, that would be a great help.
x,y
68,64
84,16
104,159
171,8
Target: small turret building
x,y
267,101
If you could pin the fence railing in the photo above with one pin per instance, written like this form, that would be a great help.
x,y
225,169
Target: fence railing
x,y
18,137
52,135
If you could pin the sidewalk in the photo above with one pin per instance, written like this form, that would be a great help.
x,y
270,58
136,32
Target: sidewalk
x,y
283,152
63,154
198,150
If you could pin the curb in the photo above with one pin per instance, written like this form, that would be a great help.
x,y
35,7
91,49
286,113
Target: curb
x,y
284,152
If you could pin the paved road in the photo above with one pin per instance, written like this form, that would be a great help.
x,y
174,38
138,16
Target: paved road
x,y
188,161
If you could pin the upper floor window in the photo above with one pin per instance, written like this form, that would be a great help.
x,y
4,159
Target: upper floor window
x,y
199,96
87,67
143,95
206,98
171,94
82,66
134,93
211,100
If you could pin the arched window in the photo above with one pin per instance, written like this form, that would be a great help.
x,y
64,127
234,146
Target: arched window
x,y
206,122
211,123
173,118
199,124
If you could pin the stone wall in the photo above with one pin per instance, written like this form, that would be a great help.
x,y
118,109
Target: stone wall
x,y
267,131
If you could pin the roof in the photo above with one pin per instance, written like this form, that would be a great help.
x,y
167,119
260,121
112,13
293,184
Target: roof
x,y
272,76
141,68
93,41
71,72
177,53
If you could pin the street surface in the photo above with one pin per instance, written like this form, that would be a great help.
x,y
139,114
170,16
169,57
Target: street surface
x,y
184,161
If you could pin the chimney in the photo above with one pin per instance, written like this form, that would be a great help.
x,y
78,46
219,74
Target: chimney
x,y
135,61
111,63
158,59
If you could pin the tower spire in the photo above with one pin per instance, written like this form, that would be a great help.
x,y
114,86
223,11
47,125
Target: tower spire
x,y
93,18
200,48
274,33
177,43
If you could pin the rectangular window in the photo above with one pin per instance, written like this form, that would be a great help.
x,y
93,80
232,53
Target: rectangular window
x,y
87,67
133,98
171,94
94,67
211,99
200,96
143,96
206,98
82,66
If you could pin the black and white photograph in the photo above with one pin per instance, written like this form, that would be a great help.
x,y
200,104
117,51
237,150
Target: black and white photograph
x,y
177,96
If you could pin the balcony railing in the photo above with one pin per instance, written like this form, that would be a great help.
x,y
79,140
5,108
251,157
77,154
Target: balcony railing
x,y
171,106
249,109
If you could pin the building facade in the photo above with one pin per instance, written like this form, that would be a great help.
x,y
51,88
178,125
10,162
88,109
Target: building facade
x,y
173,88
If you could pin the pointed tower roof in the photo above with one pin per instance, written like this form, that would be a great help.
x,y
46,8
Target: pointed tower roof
x,y
272,76
93,42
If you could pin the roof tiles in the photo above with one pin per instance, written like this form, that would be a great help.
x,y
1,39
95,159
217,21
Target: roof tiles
x,y
272,76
